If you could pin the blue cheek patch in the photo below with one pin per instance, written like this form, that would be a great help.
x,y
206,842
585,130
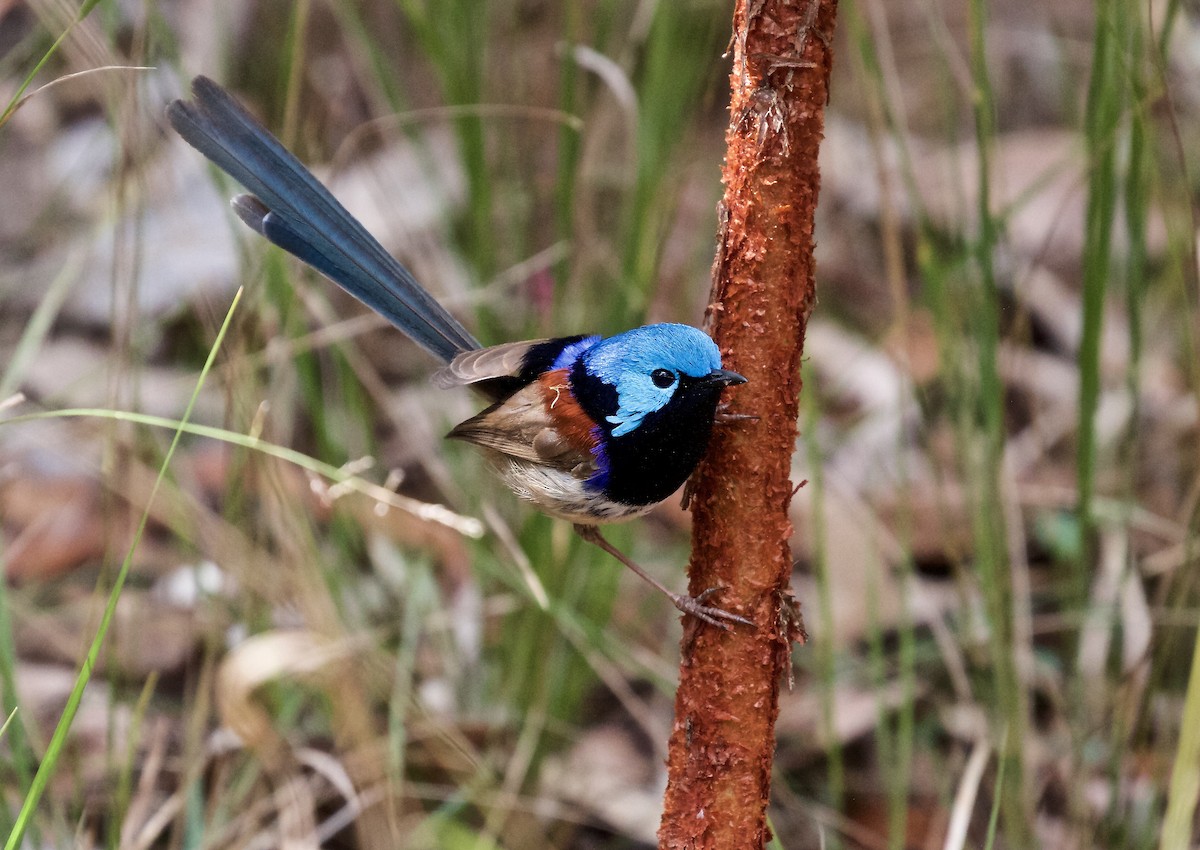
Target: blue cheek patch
x,y
629,416
624,426
637,396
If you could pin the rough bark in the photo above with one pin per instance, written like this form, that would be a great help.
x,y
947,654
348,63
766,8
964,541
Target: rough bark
x,y
722,743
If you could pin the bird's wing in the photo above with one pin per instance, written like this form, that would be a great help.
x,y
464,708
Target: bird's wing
x,y
485,364
520,427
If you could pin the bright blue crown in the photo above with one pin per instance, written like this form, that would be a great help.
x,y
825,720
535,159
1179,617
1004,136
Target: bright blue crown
x,y
628,362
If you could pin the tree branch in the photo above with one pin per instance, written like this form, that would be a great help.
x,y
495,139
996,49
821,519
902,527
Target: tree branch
x,y
722,744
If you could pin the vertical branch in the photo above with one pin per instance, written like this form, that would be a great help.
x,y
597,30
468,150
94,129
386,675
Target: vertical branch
x,y
763,291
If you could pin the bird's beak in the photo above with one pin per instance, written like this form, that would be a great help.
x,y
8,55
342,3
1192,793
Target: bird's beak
x,y
725,377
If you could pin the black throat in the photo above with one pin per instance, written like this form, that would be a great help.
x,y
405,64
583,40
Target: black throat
x,y
653,460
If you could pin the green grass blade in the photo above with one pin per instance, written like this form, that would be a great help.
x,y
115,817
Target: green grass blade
x,y
1184,789
7,722
992,556
998,798
58,740
338,476
39,324
1102,117
21,755
18,96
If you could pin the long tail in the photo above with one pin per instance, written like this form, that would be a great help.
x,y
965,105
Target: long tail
x,y
291,208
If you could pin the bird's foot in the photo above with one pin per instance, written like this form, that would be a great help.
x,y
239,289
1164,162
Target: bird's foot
x,y
694,605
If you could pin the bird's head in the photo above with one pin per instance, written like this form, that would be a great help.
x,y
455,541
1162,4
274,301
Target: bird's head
x,y
655,371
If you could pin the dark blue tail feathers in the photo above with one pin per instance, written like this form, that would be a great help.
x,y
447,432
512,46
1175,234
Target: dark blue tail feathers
x,y
291,208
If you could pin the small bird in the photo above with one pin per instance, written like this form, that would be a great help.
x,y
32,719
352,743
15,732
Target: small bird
x,y
588,429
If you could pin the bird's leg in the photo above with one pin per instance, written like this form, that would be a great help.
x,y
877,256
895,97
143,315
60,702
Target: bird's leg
x,y
693,605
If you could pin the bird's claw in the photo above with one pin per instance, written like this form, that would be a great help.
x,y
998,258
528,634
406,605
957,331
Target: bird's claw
x,y
694,605
724,416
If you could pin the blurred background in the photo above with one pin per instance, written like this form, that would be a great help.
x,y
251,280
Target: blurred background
x,y
337,630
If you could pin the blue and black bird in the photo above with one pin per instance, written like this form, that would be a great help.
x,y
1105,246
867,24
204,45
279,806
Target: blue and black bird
x,y
588,429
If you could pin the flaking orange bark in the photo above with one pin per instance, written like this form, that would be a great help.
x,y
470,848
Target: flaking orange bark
x,y
722,742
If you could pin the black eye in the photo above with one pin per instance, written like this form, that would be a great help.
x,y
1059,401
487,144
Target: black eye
x,y
662,378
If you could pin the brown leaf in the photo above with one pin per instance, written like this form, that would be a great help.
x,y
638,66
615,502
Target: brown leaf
x,y
146,636
56,525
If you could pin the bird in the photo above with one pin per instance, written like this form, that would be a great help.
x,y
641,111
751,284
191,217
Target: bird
x,y
589,429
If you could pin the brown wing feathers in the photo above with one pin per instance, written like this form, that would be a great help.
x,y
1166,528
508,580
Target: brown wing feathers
x,y
542,423
484,364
